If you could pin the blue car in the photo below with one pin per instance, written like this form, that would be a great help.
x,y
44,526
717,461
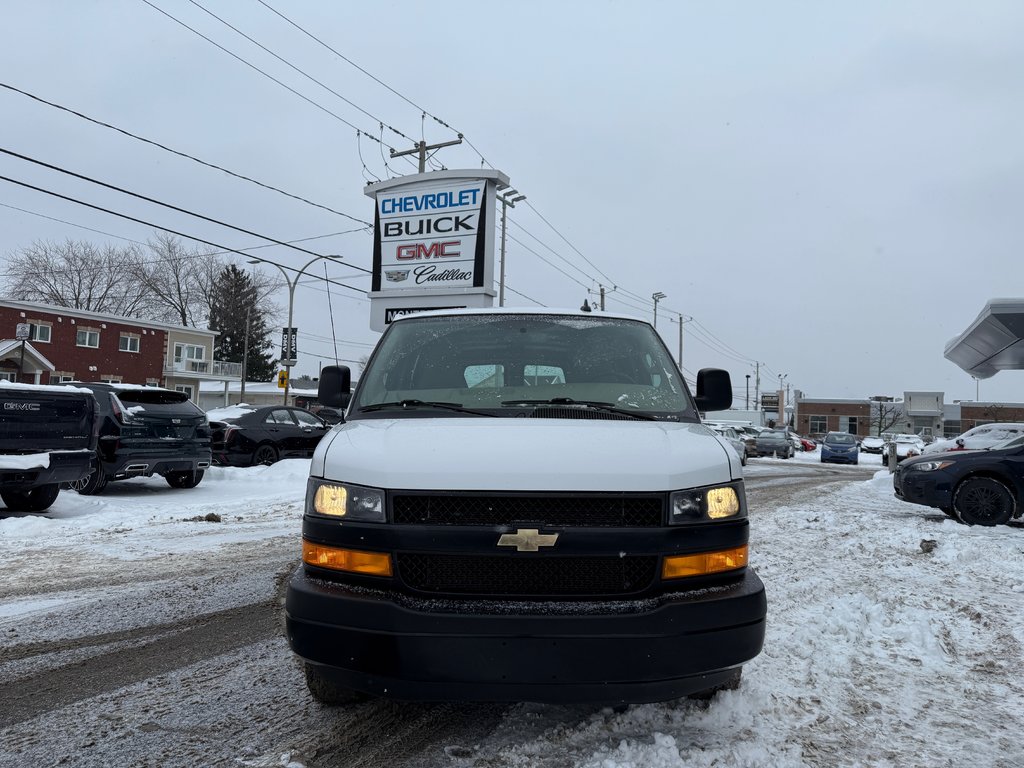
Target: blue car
x,y
839,448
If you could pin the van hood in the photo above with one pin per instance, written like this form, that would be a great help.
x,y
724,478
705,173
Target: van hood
x,y
513,454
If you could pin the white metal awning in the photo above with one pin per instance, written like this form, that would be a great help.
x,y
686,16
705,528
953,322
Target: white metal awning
x,y
993,342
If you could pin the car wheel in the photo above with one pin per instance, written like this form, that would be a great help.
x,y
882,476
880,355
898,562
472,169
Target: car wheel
x,y
264,454
186,479
983,501
743,460
730,684
328,692
31,500
91,485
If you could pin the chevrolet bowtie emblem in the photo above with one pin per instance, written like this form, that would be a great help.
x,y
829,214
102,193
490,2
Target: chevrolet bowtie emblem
x,y
527,540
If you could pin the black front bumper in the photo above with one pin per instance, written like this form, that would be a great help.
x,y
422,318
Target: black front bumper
x,y
932,489
840,458
64,467
605,652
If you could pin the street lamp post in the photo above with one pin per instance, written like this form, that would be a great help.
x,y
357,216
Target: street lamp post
x,y
508,199
657,297
291,303
747,406
782,400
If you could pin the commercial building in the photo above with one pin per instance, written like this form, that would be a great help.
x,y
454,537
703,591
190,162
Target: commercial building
x,y
78,345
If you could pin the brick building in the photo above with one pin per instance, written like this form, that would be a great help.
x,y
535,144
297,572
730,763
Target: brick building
x,y
73,344
815,417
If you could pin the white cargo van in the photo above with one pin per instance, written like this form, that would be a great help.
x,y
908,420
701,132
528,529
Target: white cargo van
x,y
523,505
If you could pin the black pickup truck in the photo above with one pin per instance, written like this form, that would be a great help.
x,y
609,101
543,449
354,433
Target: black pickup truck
x,y
47,437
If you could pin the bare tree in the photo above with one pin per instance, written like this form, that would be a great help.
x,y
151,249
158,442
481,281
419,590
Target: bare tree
x,y
885,415
175,276
78,275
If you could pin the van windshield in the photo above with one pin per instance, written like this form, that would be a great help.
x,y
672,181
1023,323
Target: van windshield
x,y
503,363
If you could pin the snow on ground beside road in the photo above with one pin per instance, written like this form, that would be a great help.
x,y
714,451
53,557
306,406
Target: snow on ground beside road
x,y
144,516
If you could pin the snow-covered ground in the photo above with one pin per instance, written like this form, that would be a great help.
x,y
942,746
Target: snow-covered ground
x,y
894,635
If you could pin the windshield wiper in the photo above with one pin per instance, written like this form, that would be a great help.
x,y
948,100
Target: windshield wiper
x,y
595,404
421,404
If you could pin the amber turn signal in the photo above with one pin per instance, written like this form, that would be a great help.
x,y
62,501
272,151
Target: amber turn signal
x,y
706,562
351,560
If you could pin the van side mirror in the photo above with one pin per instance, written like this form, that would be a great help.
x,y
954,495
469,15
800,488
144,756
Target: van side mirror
x,y
335,386
714,390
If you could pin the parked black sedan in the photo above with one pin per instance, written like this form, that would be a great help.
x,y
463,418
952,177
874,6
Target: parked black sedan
x,y
983,487
264,435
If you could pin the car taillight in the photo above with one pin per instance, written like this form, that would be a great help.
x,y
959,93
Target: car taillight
x,y
228,433
120,412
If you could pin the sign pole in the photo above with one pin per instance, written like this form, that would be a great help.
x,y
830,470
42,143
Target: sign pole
x,y
21,365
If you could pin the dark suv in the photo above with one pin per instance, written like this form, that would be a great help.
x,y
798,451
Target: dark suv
x,y
147,431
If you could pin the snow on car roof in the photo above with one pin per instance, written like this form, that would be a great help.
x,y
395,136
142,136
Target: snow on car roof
x,y
4,384
519,311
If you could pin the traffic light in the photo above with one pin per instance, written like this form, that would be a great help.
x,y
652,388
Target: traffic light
x,y
282,379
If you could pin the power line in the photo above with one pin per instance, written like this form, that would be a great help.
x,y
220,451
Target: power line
x,y
566,240
553,266
183,154
297,69
552,250
147,245
257,69
170,206
352,63
517,293
157,226
72,224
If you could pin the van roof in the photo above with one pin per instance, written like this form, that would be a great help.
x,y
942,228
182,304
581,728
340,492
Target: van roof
x,y
519,311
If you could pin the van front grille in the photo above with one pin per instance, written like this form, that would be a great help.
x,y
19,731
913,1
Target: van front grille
x,y
609,510
526,576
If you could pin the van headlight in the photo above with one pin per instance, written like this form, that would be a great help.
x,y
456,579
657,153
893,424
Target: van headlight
x,y
345,501
697,505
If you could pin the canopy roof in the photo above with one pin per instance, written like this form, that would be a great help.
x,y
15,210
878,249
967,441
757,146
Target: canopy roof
x,y
993,342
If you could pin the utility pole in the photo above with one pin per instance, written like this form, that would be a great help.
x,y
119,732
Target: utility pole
x,y
603,291
782,400
657,297
757,387
422,148
508,199
245,354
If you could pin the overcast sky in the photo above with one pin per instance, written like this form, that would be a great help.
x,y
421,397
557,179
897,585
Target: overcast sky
x,y
832,190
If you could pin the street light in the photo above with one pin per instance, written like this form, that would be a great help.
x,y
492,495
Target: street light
x,y
747,406
508,199
291,301
657,297
782,400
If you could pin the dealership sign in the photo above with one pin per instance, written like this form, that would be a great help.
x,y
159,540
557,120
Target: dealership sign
x,y
433,242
